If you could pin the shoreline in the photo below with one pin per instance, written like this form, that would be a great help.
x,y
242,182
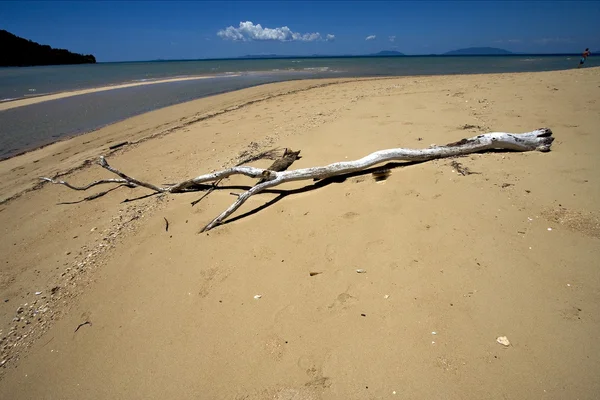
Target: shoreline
x,y
71,136
310,83
50,97
72,117
265,92
54,96
113,265
26,101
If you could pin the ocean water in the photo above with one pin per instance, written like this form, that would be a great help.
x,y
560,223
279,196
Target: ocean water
x,y
27,127
31,81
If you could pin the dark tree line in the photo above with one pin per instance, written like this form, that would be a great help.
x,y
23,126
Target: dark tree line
x,y
18,52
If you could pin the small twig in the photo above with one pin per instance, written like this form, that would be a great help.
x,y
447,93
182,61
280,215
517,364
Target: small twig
x,y
83,324
92,197
462,169
214,186
131,219
86,187
166,224
140,198
129,179
116,146
125,179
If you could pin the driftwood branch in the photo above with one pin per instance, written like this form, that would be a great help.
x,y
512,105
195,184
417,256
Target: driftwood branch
x,y
271,154
91,197
86,187
129,179
539,140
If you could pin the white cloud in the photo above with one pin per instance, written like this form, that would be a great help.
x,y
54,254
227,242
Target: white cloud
x,y
370,37
392,38
247,31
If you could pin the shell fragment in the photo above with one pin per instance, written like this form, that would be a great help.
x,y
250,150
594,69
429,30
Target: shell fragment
x,y
503,340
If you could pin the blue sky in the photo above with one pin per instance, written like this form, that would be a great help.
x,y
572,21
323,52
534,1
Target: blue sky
x,y
141,30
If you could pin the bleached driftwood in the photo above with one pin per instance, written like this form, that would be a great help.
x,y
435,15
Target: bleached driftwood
x,y
540,139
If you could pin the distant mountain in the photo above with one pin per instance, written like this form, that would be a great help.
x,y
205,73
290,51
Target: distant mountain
x,y
385,53
478,51
388,53
263,56
18,52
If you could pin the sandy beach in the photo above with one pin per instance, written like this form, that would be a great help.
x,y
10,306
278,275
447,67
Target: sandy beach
x,y
99,300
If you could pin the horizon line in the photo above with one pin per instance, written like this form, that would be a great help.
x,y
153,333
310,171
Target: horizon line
x,y
374,55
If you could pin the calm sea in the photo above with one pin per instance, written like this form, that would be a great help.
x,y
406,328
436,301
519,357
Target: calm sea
x,y
27,127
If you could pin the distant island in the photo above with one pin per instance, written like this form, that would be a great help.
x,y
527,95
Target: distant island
x,y
264,56
388,53
478,51
16,51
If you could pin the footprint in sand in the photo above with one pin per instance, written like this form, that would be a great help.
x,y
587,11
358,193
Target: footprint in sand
x,y
284,393
275,347
330,253
313,389
210,276
342,302
350,215
317,380
571,313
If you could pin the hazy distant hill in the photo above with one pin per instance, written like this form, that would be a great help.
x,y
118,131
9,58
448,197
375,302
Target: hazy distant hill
x,y
478,51
471,51
18,52
385,53
264,56
388,53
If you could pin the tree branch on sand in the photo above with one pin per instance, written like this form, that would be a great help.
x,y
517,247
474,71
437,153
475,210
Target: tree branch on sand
x,y
540,140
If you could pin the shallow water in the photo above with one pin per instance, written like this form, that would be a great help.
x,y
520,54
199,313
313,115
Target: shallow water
x,y
30,126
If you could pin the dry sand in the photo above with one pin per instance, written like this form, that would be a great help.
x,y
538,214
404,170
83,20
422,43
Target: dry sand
x,y
7,105
173,315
